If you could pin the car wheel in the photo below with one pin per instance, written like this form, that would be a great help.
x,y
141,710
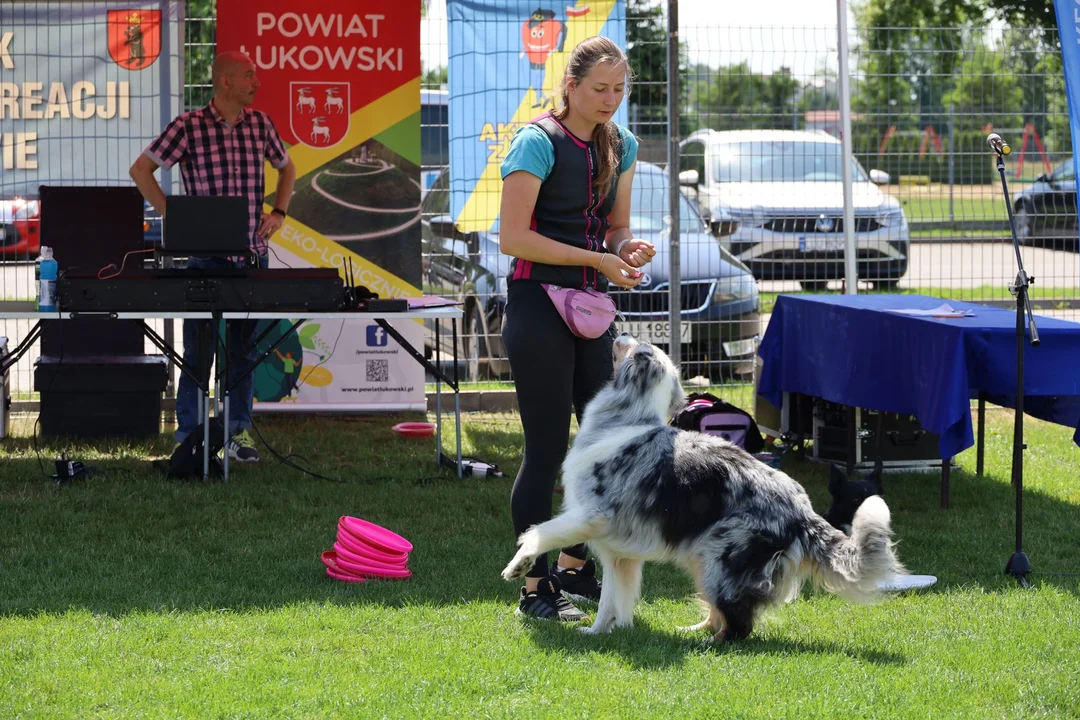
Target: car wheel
x,y
814,285
886,284
475,344
1022,219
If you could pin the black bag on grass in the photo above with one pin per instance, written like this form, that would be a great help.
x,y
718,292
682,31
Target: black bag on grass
x,y
709,414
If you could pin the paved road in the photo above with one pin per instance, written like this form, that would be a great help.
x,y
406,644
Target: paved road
x,y
972,264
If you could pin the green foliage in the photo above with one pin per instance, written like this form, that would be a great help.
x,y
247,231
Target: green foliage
x,y
735,97
971,165
200,46
646,49
436,77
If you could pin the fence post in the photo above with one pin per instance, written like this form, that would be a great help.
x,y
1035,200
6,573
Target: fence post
x,y
952,156
674,237
851,278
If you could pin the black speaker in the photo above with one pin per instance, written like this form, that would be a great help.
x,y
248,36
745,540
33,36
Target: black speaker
x,y
101,396
89,228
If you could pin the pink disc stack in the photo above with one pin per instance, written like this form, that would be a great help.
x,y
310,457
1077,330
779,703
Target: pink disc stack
x,y
366,551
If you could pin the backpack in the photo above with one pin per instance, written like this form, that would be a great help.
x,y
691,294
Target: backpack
x,y
709,414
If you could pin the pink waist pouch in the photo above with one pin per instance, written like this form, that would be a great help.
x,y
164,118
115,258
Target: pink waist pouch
x,y
588,313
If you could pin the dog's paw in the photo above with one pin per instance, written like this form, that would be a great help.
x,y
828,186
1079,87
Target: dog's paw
x,y
518,567
595,629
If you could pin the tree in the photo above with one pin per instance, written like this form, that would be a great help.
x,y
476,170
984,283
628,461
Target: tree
x,y
1025,13
199,50
736,97
952,13
435,77
646,49
987,92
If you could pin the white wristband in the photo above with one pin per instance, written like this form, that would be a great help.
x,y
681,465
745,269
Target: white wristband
x,y
619,247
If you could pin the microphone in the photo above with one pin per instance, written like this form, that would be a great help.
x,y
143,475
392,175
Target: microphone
x,y
997,144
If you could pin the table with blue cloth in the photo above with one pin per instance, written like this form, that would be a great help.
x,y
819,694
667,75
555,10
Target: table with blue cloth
x,y
855,350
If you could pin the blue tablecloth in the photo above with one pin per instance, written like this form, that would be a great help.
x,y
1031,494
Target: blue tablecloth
x,y
850,349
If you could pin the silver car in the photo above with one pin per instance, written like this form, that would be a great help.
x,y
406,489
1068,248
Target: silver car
x,y
719,297
775,197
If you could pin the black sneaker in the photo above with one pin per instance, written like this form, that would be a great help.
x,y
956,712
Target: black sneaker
x,y
580,583
242,448
548,603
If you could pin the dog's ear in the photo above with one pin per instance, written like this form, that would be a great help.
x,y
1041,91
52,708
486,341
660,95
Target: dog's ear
x,y
837,480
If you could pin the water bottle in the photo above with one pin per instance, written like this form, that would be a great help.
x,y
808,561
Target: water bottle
x,y
47,272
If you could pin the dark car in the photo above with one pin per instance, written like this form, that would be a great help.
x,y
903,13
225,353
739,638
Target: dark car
x,y
720,321
1045,211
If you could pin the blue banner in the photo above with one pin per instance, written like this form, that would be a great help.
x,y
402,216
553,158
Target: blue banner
x,y
1068,20
84,87
507,59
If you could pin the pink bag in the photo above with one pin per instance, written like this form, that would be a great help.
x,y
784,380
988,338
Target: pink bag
x,y
588,313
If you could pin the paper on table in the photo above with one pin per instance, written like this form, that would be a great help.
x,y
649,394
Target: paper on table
x,y
941,311
431,301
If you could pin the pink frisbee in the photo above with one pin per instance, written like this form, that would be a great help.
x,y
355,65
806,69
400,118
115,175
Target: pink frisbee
x,y
343,553
369,570
329,559
345,578
358,547
414,429
373,534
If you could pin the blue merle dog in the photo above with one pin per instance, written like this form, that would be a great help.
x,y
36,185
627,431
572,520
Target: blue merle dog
x,y
637,489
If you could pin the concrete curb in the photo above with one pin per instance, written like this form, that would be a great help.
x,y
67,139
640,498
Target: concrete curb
x,y
489,401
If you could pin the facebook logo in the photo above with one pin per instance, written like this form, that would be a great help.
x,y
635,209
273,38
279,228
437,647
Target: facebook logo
x,y
376,336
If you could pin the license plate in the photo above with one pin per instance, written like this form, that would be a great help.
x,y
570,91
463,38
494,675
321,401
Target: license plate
x,y
810,243
739,348
657,332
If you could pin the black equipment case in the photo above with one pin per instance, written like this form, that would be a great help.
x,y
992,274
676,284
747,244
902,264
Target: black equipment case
x,y
180,290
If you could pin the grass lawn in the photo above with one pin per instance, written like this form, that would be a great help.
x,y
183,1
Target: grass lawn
x,y
935,207
126,595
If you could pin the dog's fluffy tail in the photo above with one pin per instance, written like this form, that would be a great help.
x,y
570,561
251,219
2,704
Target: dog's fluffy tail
x,y
853,566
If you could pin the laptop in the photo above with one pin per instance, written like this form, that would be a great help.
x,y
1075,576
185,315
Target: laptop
x,y
205,225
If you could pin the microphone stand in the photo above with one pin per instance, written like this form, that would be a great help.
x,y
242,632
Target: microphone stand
x,y
1018,566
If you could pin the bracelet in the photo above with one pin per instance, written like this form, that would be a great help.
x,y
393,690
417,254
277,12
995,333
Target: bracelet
x,y
278,211
619,247
601,263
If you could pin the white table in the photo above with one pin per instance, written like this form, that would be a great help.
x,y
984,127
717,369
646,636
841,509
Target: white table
x,y
453,313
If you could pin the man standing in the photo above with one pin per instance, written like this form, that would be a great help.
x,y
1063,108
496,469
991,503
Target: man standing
x,y
222,149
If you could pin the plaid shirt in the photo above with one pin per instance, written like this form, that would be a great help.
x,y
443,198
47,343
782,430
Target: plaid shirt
x,y
221,159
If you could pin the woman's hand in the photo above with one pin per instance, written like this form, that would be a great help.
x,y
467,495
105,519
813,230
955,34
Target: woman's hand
x,y
636,253
618,271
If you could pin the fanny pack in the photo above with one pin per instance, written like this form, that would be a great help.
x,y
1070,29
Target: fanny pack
x,y
588,313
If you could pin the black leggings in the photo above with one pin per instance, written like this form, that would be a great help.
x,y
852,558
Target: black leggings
x,y
554,371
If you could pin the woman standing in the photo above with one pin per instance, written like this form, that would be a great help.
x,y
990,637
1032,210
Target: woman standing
x,y
565,219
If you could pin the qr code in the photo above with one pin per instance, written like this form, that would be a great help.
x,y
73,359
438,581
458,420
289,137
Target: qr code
x,y
378,371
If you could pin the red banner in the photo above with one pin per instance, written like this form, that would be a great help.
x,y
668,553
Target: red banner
x,y
318,67
341,81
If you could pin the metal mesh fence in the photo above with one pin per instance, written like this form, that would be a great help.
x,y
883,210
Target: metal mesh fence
x,y
82,90
760,174
760,170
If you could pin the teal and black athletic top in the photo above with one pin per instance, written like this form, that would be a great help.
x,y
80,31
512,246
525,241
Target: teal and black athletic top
x,y
568,208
